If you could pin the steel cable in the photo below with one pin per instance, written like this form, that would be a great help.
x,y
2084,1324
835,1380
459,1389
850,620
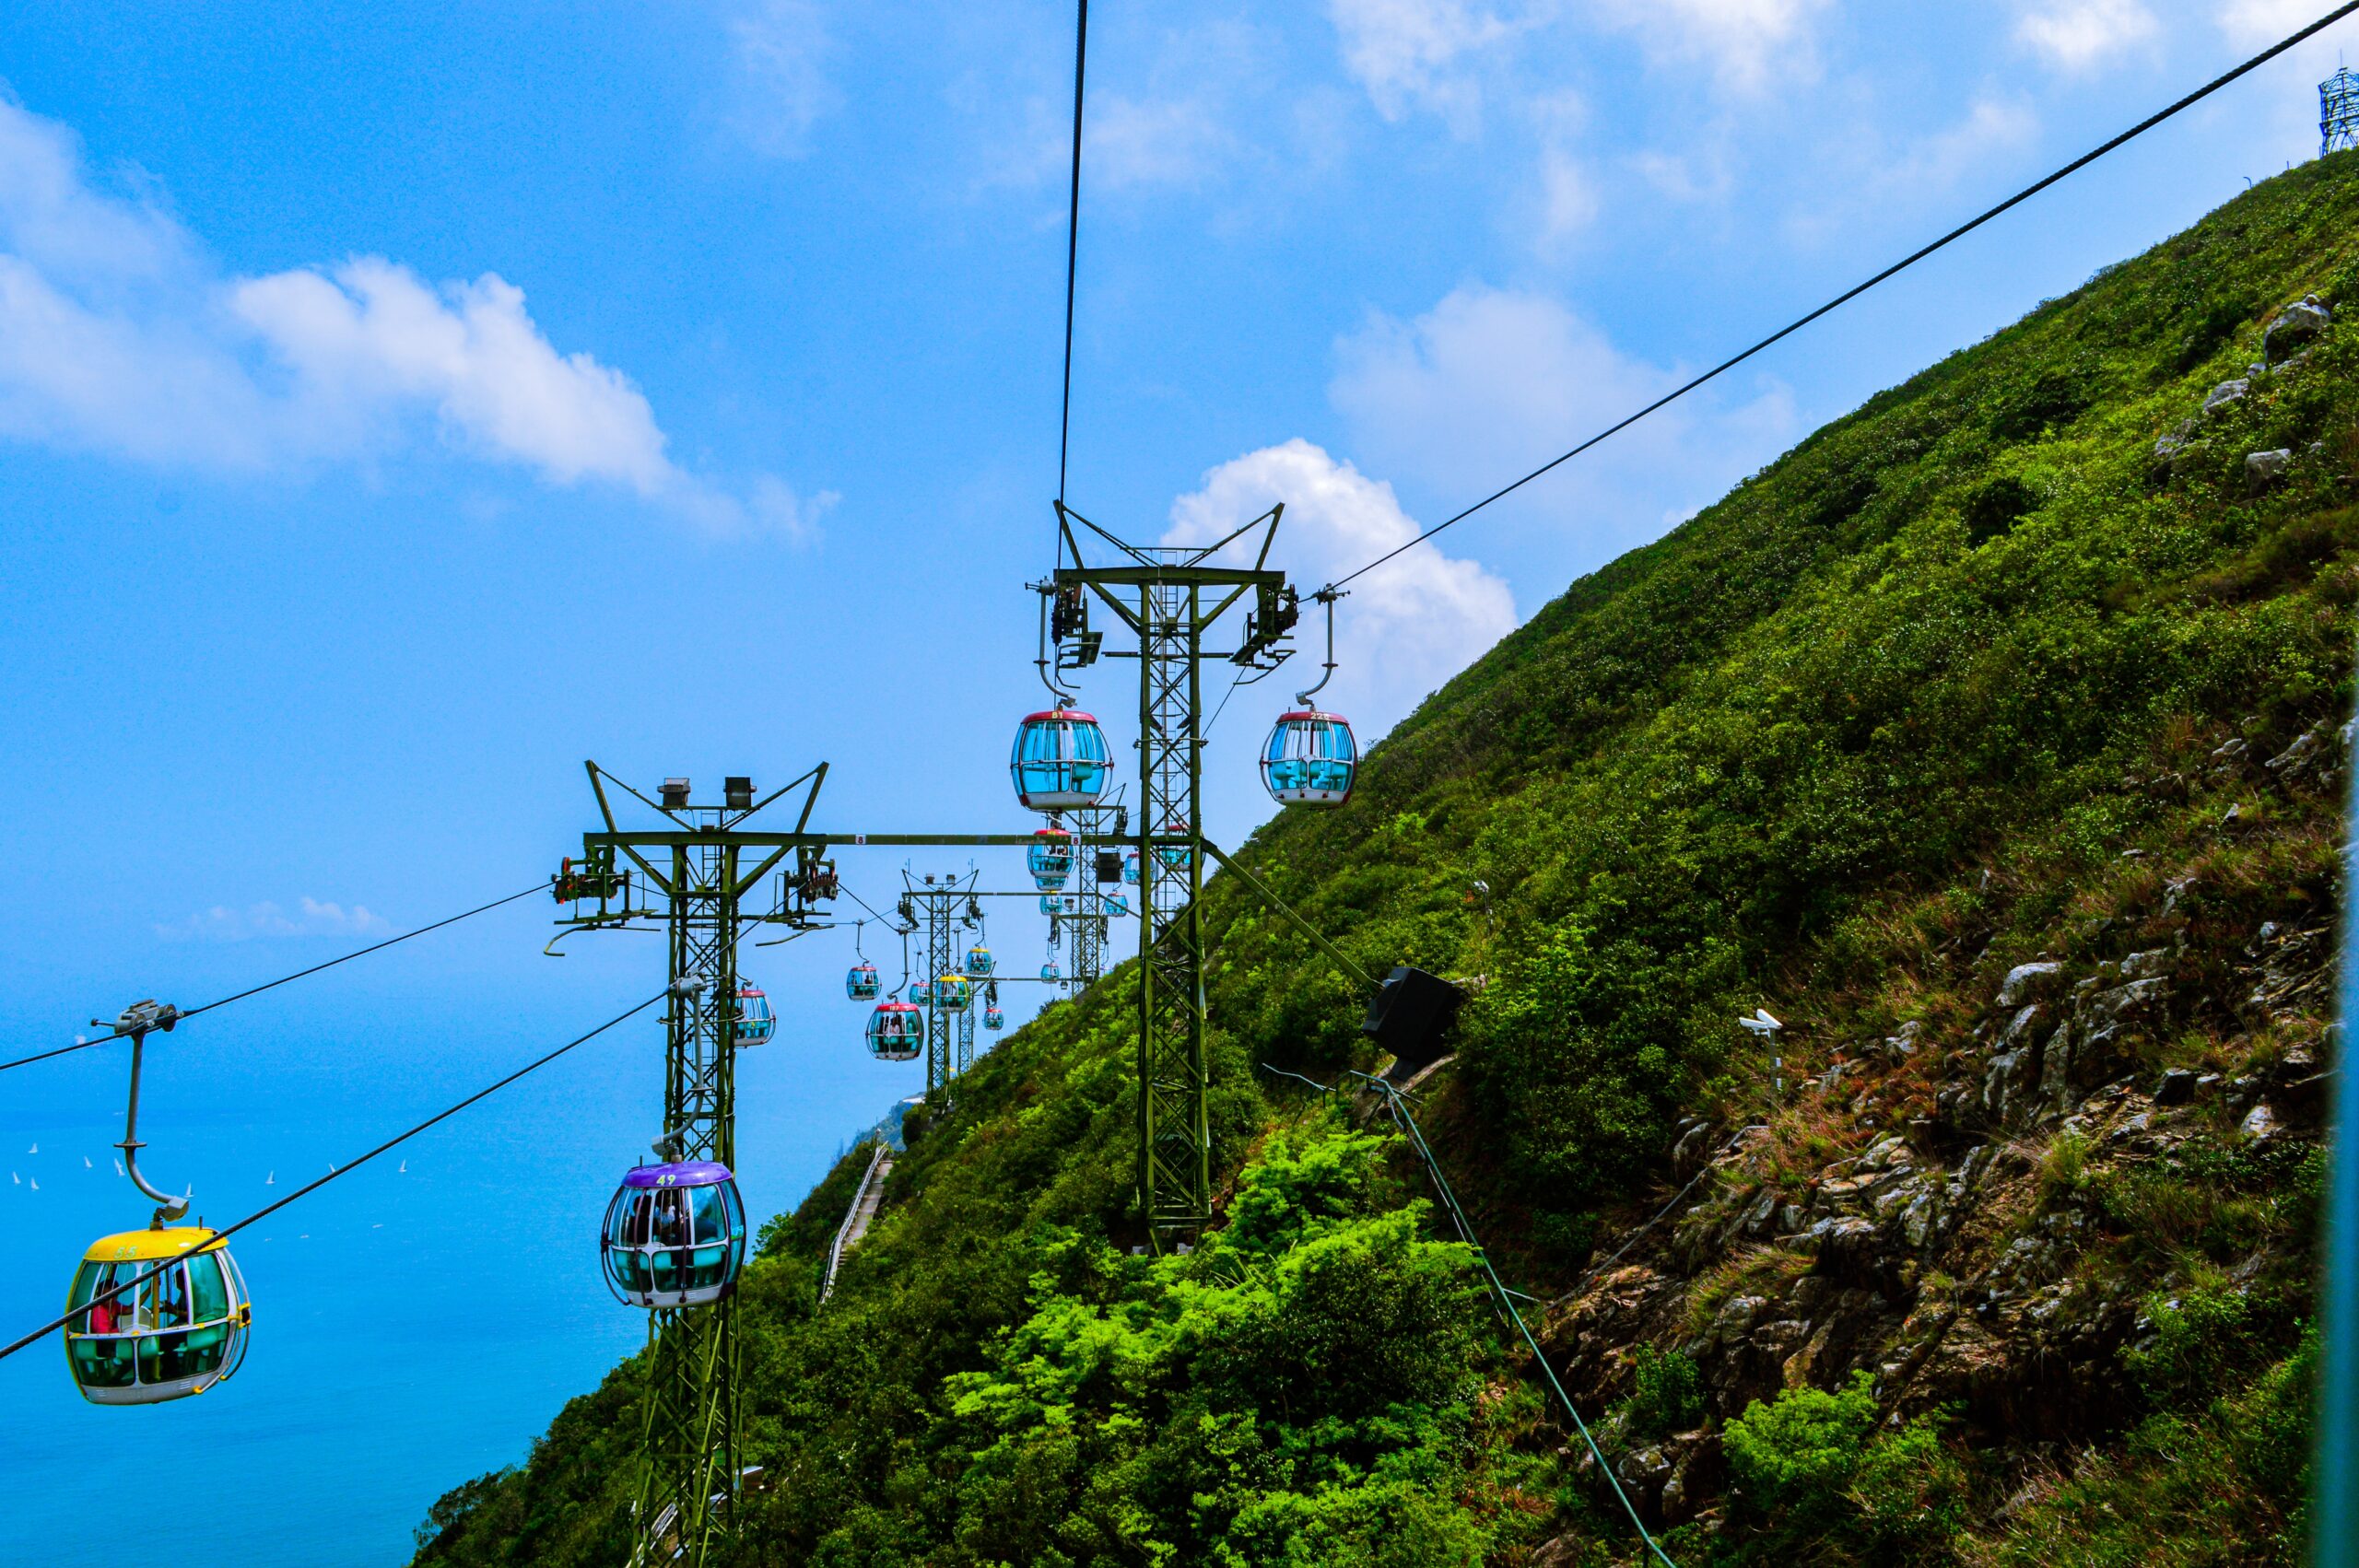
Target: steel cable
x,y
1502,1297
347,1169
270,985
2198,96
1072,257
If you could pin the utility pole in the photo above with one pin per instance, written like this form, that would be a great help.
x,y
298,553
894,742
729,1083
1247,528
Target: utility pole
x,y
1170,598
697,868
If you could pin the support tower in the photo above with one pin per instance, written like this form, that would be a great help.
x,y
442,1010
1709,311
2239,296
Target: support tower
x,y
1171,598
2338,112
698,882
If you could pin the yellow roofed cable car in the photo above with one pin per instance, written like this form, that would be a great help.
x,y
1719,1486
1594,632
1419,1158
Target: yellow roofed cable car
x,y
158,1313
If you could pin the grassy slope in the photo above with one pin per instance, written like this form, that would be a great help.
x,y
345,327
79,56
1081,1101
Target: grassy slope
x,y
1767,758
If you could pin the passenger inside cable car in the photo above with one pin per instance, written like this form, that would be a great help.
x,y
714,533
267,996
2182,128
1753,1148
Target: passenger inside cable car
x,y
1060,761
1049,859
675,1234
896,1031
176,1333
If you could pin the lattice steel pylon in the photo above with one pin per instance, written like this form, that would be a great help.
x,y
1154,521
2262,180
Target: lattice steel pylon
x,y
1094,829
2338,112
689,1466
1171,598
940,909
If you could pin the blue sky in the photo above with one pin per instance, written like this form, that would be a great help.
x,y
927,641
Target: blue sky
x,y
399,406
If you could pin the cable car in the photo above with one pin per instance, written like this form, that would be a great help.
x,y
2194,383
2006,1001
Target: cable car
x,y
675,1234
1174,857
896,1031
176,1333
861,983
1114,904
755,1023
994,1019
1060,761
952,993
1311,759
979,961
1131,868
1060,904
1049,859
922,993
1049,971
158,1313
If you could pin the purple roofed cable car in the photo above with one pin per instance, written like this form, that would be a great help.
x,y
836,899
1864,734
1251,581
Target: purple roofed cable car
x,y
675,1234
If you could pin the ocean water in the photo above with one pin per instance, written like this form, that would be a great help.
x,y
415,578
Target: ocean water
x,y
413,1328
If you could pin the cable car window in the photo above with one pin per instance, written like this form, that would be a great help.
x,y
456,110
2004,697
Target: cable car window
x,y
712,1221
211,1299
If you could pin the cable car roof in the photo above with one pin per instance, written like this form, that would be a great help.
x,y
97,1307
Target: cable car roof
x,y
147,1246
1060,715
1301,714
688,1173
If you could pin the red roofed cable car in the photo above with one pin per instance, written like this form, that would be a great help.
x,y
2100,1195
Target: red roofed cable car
x,y
1313,757
1060,761
896,1031
1049,859
756,1024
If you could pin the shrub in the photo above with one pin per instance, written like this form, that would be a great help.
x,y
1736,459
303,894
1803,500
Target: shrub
x,y
1666,1395
1814,1464
2199,1334
1795,1459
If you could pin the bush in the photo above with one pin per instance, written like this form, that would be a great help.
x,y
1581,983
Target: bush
x,y
1796,1459
1666,1395
2199,1334
1815,1466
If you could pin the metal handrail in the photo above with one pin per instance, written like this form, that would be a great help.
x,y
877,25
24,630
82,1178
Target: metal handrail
x,y
860,1196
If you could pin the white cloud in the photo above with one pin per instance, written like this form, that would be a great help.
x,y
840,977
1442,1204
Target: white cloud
x,y
1406,627
1569,199
373,339
2074,35
2266,21
312,918
1990,128
1491,383
780,45
1406,53
1169,141
1746,42
120,334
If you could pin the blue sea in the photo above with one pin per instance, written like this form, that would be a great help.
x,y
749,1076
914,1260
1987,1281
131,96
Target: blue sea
x,y
413,1327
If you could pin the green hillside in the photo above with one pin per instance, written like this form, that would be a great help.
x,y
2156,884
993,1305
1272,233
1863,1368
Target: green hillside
x,y
1982,739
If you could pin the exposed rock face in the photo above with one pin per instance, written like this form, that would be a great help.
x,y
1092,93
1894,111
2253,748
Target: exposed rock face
x,y
2027,981
2296,326
2225,394
1951,1257
2263,469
